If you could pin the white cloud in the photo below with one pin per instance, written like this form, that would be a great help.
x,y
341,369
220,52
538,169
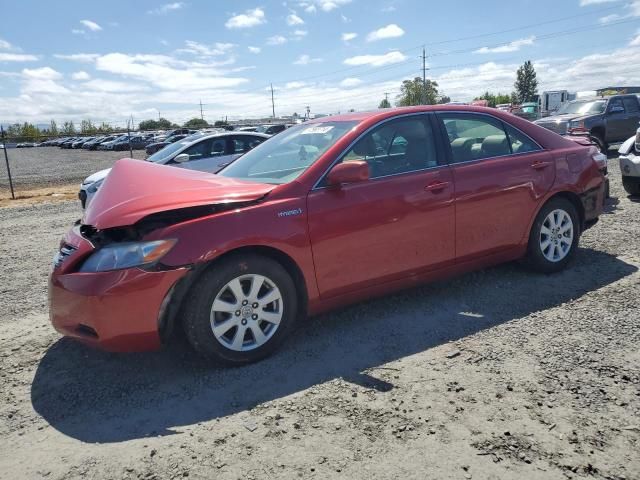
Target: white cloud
x,y
17,57
294,19
44,73
4,45
350,82
216,49
300,33
113,86
346,37
166,8
306,60
509,47
166,72
254,49
78,57
345,19
610,18
312,6
81,75
78,31
390,31
249,18
276,40
91,25
635,41
584,3
294,85
376,60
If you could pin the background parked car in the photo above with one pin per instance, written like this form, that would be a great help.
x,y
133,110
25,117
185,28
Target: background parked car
x,y
605,120
79,143
154,147
208,153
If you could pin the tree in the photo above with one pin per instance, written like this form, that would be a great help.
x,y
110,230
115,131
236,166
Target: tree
x,y
87,127
196,123
444,99
53,128
384,103
220,123
69,128
526,83
411,92
494,99
160,124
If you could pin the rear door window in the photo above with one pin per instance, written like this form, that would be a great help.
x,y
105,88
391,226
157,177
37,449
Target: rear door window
x,y
474,137
630,104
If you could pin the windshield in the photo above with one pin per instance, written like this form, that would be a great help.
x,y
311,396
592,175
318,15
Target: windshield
x,y
585,107
283,158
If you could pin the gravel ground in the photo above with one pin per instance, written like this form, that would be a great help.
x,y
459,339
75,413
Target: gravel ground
x,y
499,373
46,166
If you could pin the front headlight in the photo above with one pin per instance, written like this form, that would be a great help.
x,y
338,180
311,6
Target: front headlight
x,y
127,255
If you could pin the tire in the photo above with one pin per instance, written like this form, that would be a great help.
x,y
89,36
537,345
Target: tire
x,y
211,302
539,252
631,185
598,140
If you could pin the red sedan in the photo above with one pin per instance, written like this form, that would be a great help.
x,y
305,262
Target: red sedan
x,y
327,213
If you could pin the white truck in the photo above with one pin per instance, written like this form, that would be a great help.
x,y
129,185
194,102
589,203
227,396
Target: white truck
x,y
551,101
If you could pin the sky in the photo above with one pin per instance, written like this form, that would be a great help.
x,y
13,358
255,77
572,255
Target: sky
x,y
110,61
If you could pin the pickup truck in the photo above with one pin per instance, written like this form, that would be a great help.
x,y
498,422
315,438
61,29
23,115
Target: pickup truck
x,y
606,120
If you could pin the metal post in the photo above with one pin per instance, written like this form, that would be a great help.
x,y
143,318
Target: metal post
x,y
424,77
273,105
129,136
6,160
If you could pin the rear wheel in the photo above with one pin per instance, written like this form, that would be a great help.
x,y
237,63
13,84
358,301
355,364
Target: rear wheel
x,y
241,309
554,236
631,185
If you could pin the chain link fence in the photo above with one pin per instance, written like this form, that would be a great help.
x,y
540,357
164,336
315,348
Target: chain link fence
x,y
37,166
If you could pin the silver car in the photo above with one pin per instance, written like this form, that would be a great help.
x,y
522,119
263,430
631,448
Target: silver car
x,y
630,164
207,153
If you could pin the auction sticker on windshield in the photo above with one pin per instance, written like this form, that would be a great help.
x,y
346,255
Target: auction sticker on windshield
x,y
317,129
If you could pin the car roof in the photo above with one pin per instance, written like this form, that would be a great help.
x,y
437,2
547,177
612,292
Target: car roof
x,y
384,113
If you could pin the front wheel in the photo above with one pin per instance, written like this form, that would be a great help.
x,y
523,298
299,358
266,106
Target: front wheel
x,y
602,145
631,185
554,236
241,309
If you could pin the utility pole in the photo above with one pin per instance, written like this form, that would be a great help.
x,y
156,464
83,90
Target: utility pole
x,y
273,105
159,115
424,77
201,112
308,112
386,97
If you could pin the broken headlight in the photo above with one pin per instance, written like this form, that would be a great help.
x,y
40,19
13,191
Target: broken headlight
x,y
118,256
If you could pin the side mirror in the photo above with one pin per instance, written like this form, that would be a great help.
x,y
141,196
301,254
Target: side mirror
x,y
616,109
183,157
348,172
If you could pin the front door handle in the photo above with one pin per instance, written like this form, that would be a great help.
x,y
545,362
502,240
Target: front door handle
x,y
436,186
540,165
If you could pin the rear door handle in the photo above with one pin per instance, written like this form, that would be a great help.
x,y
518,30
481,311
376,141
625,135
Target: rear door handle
x,y
540,165
436,186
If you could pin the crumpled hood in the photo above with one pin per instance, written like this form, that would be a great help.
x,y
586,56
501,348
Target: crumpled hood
x,y
135,189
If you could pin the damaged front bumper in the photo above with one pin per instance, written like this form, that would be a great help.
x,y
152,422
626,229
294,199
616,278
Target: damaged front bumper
x,y
116,310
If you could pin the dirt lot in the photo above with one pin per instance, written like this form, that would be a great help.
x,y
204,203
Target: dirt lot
x,y
497,374
52,167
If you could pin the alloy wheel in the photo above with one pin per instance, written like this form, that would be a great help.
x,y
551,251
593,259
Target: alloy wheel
x,y
246,312
556,235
